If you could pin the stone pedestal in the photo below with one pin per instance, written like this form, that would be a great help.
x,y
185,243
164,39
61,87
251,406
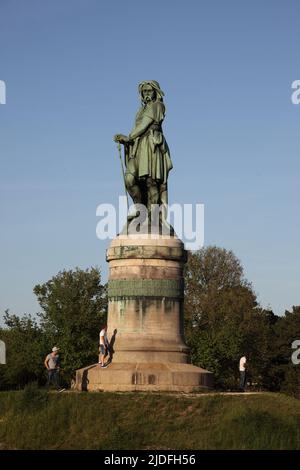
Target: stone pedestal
x,y
145,320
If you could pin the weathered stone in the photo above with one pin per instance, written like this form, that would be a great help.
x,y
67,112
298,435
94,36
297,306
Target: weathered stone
x,y
145,318
124,288
144,376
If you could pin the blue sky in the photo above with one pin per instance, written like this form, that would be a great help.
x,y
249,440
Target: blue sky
x,y
71,69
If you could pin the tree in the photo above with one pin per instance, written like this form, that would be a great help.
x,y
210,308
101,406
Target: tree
x,y
213,281
282,374
222,318
26,348
74,305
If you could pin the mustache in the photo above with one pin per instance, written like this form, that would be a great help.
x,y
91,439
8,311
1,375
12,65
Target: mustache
x,y
146,99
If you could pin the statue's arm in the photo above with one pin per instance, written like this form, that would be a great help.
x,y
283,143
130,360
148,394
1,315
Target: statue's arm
x,y
136,132
140,128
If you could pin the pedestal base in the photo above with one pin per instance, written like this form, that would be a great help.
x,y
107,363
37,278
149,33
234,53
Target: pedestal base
x,y
145,320
123,377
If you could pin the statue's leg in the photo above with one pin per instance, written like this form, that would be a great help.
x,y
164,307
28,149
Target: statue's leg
x,y
163,194
135,193
153,193
131,182
152,198
132,188
166,228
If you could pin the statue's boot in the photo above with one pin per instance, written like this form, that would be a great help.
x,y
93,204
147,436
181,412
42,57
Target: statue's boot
x,y
136,195
152,198
165,227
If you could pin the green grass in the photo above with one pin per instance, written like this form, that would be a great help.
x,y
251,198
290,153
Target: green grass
x,y
33,419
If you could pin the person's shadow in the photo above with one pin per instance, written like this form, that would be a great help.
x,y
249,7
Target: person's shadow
x,y
111,346
85,380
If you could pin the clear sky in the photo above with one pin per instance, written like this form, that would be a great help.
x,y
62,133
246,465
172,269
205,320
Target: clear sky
x,y
71,69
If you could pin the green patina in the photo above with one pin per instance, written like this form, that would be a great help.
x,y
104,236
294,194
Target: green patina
x,y
147,155
170,288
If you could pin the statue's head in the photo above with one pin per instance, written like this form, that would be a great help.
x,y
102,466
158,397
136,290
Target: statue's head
x,y
150,91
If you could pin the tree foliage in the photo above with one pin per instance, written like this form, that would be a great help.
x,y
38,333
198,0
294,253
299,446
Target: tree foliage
x,y
73,308
25,346
282,374
222,321
222,318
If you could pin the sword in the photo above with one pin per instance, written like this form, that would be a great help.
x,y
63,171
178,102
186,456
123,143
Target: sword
x,y
123,173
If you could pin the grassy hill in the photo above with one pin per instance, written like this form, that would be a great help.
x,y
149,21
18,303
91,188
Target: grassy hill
x,y
33,419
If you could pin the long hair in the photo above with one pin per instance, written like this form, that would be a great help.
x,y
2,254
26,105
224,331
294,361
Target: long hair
x,y
155,85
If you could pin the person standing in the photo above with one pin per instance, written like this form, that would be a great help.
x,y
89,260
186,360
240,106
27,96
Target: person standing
x,y
52,364
242,369
103,346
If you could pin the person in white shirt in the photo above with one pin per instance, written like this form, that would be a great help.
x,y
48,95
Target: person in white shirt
x,y
103,346
242,369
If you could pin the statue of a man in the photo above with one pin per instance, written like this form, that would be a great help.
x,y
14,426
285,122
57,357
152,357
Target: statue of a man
x,y
147,156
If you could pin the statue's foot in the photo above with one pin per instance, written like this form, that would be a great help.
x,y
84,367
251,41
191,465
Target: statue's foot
x,y
166,229
160,227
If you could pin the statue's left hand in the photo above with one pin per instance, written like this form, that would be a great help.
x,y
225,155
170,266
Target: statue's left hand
x,y
123,139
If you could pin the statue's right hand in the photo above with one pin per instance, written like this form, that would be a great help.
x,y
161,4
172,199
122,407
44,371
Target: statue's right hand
x,y
123,139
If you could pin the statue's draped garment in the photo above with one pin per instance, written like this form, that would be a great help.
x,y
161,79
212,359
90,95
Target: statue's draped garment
x,y
148,155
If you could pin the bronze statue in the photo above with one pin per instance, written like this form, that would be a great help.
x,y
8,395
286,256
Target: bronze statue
x,y
147,156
